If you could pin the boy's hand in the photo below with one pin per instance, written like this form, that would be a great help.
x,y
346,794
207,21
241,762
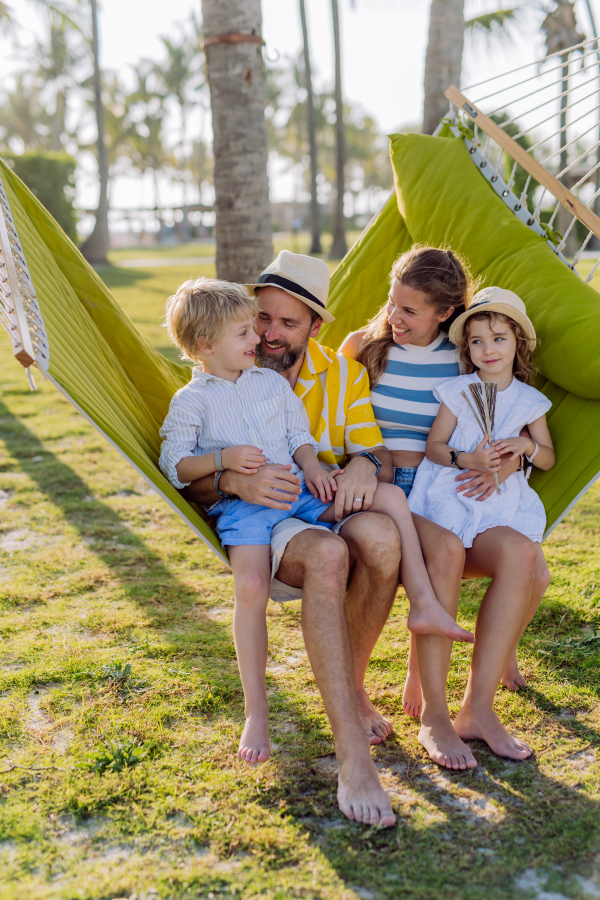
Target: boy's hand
x,y
320,483
483,459
244,459
517,446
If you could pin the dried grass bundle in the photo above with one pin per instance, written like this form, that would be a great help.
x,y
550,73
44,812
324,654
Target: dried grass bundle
x,y
483,394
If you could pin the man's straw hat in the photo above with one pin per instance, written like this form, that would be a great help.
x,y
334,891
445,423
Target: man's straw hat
x,y
495,299
303,277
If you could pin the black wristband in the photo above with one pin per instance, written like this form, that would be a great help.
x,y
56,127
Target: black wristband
x,y
372,458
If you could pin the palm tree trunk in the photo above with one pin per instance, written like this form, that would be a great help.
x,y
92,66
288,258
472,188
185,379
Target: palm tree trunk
x,y
443,60
339,246
96,246
315,217
237,98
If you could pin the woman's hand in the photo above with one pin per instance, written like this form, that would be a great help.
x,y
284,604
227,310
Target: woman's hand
x,y
320,482
244,459
484,459
517,446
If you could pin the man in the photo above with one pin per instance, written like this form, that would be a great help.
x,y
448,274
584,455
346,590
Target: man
x,y
347,580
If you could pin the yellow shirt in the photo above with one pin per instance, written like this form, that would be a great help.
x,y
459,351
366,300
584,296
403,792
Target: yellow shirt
x,y
336,395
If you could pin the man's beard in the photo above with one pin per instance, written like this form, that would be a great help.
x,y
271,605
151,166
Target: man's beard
x,y
282,362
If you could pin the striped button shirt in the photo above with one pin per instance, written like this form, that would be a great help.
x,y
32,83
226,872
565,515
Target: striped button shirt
x,y
403,400
210,413
335,392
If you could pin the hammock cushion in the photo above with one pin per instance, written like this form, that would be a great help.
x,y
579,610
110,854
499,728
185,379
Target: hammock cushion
x,y
443,200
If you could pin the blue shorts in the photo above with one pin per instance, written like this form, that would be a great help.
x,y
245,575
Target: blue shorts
x,y
404,478
241,523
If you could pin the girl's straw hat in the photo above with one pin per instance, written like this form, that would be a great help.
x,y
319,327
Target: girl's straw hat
x,y
303,277
495,299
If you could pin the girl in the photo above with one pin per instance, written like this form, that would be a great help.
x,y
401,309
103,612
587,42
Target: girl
x,y
496,340
407,353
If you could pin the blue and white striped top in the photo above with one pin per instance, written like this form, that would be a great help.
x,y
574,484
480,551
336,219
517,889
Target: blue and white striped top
x,y
403,400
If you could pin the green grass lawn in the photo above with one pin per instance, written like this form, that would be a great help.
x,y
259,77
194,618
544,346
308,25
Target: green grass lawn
x,y
121,706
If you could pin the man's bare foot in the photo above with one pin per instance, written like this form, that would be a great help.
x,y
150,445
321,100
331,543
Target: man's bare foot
x,y
254,743
412,698
360,795
484,725
432,618
443,744
376,726
511,677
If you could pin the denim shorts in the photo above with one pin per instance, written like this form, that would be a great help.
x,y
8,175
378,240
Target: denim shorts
x,y
241,523
404,478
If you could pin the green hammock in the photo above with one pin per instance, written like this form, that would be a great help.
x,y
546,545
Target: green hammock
x,y
67,321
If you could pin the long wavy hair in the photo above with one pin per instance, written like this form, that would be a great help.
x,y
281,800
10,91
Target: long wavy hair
x,y
440,274
523,367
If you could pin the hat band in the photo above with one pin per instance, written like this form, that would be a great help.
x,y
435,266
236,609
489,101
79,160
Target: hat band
x,y
287,285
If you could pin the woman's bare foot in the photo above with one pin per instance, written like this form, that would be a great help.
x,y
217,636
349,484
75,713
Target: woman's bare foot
x,y
254,743
412,698
432,618
360,795
376,726
484,725
443,744
511,677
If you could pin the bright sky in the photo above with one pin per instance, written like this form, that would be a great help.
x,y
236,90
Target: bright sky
x,y
383,48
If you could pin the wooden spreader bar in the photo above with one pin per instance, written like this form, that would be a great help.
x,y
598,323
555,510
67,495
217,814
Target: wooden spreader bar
x,y
521,156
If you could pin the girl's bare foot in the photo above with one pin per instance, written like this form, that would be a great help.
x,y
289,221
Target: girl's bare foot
x,y
376,726
443,744
432,618
360,795
484,725
254,743
511,677
412,698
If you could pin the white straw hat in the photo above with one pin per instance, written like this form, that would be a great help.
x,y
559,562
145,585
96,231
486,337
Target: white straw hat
x,y
304,277
495,299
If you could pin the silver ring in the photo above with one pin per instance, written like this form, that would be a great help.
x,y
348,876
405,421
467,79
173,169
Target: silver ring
x,y
358,499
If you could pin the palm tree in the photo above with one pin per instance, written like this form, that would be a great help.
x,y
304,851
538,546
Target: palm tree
x,y
236,80
176,77
95,248
315,217
338,245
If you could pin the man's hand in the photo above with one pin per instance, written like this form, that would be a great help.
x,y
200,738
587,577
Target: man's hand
x,y
273,486
356,485
481,484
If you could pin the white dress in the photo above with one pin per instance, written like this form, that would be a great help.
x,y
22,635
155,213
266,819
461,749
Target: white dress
x,y
518,506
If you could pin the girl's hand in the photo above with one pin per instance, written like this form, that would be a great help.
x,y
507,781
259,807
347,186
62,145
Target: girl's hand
x,y
320,483
483,459
244,459
517,446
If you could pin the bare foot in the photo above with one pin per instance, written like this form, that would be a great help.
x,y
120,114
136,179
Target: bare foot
x,y
484,725
443,745
360,795
376,726
511,677
432,618
412,698
254,743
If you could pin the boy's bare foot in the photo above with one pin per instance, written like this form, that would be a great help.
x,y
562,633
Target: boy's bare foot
x,y
443,744
376,726
511,677
484,725
412,698
360,795
254,743
432,618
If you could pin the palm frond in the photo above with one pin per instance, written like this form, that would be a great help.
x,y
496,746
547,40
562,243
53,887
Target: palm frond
x,y
493,24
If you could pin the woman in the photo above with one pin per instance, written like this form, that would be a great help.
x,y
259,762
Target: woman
x,y
406,351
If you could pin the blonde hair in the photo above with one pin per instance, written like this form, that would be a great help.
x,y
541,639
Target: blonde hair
x,y
436,271
523,368
202,308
